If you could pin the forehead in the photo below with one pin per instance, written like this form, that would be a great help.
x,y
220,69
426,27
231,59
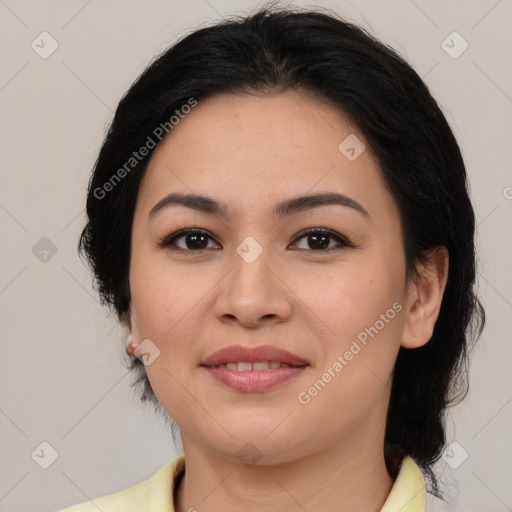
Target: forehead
x,y
249,150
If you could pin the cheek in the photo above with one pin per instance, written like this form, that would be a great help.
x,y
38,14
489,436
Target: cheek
x,y
361,307
348,299
167,309
354,376
160,296
159,314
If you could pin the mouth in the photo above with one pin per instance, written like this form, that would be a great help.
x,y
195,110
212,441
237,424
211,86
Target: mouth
x,y
247,366
243,355
252,369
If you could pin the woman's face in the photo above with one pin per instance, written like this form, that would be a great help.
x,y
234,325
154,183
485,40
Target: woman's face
x,y
255,278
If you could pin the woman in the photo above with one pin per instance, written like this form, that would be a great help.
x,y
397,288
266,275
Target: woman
x,y
280,217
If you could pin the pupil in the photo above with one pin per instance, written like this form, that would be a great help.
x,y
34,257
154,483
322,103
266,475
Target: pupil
x,y
325,243
193,238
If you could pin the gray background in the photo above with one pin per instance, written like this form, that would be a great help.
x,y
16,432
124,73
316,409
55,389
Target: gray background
x,y
62,380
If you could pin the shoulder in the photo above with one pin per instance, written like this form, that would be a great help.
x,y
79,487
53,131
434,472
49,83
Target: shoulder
x,y
155,493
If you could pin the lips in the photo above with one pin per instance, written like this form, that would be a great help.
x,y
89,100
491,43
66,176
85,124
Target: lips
x,y
261,353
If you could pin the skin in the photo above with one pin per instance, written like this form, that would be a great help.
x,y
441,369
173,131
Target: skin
x,y
251,153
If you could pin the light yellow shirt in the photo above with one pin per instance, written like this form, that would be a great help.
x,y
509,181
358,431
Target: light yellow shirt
x,y
156,493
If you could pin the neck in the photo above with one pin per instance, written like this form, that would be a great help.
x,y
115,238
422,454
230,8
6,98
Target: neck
x,y
333,479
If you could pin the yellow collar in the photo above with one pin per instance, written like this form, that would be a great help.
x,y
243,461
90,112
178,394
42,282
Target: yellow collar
x,y
156,493
407,493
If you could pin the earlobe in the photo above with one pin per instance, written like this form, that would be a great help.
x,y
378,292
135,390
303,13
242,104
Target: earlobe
x,y
130,345
425,296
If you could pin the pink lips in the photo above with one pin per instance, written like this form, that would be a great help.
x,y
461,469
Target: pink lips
x,y
253,380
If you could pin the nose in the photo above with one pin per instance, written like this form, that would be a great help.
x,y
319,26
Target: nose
x,y
253,293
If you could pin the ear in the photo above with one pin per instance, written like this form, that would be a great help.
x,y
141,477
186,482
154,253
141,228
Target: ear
x,y
424,298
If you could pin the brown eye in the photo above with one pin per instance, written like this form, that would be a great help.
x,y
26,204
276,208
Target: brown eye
x,y
196,240
188,240
320,239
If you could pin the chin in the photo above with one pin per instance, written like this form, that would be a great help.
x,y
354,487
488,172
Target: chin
x,y
270,438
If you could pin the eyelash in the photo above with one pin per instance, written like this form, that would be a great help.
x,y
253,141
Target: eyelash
x,y
343,241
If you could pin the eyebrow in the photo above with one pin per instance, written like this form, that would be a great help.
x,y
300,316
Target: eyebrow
x,y
291,206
